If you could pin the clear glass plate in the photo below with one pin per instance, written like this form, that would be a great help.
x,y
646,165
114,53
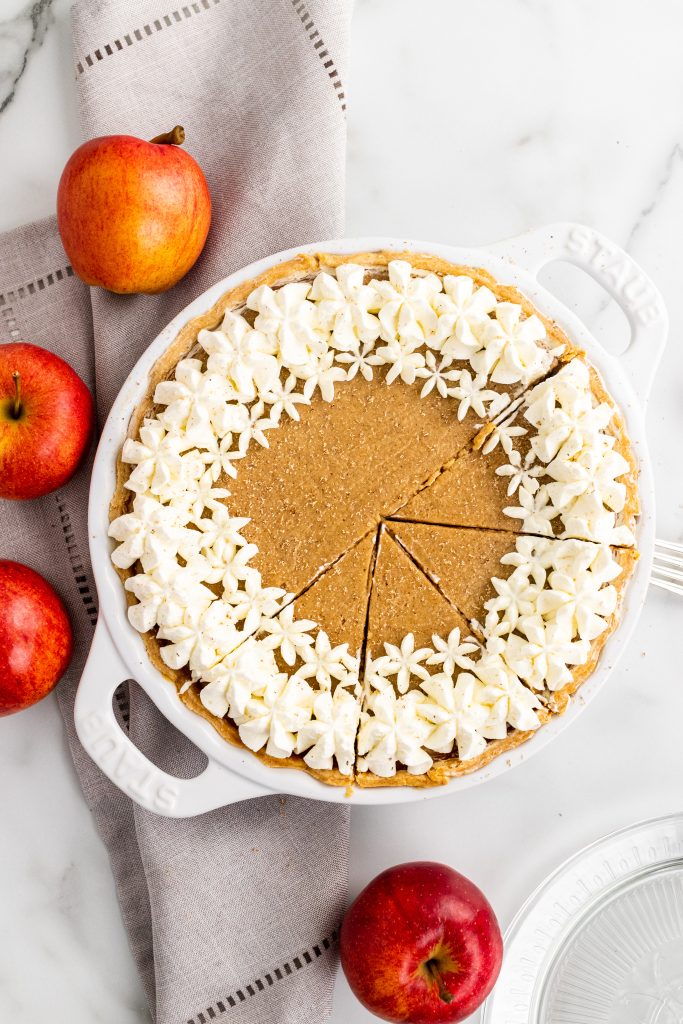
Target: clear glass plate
x,y
601,940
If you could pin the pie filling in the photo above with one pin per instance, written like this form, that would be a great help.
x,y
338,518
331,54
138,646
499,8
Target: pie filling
x,y
375,517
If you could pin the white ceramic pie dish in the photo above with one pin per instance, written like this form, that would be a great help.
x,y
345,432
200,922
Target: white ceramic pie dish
x,y
118,652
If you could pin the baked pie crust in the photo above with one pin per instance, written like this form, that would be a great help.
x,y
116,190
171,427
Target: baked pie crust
x,y
380,514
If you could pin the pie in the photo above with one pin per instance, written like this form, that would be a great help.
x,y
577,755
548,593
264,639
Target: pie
x,y
375,517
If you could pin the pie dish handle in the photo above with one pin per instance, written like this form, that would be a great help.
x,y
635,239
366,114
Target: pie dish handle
x,y
618,274
121,761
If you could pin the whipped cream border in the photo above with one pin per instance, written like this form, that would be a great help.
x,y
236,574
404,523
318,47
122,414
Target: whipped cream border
x,y
279,679
539,628
568,483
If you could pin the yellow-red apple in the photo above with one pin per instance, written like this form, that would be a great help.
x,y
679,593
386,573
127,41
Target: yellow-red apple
x,y
133,215
46,419
35,637
421,945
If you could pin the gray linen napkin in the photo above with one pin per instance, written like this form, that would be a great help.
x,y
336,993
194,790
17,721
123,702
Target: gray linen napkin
x,y
231,915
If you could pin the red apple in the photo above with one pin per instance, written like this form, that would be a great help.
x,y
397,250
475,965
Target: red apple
x,y
35,637
133,215
421,944
46,419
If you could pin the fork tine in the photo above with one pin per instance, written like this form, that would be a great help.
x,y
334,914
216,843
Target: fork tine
x,y
674,588
670,545
670,559
664,572
667,566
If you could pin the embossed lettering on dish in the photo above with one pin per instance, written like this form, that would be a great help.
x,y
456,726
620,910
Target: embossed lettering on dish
x,y
618,271
124,765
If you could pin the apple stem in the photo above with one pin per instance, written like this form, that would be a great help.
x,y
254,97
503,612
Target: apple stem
x,y
432,969
16,405
175,137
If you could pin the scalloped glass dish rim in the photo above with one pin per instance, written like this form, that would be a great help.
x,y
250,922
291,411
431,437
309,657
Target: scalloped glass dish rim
x,y
598,901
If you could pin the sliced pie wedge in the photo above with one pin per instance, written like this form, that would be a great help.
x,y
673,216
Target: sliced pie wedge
x,y
403,600
338,600
463,564
405,613
460,561
467,493
529,473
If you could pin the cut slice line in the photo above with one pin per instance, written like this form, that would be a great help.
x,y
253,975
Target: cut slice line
x,y
459,561
404,600
498,529
336,601
473,445
431,579
371,578
325,569
431,548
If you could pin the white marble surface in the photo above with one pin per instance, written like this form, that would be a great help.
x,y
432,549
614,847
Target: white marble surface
x,y
467,123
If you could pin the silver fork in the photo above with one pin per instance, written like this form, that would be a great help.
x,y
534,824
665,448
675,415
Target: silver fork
x,y
667,568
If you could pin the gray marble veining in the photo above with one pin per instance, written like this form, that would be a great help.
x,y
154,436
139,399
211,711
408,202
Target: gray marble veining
x,y
20,37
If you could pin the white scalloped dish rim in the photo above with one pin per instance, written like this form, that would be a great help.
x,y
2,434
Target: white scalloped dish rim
x,y
112,600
